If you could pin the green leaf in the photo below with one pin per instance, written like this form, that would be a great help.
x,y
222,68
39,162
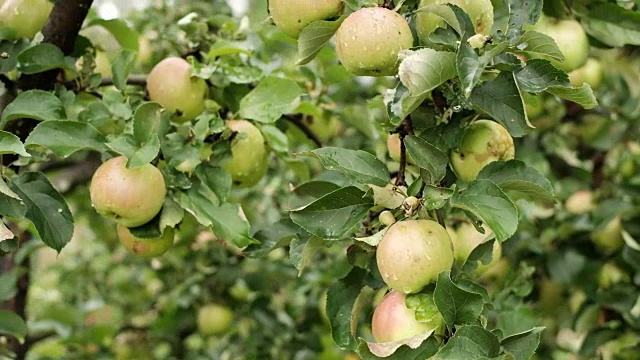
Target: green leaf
x,y
424,70
470,343
538,75
46,208
11,144
124,35
224,219
333,215
276,139
535,44
522,13
402,103
272,98
146,122
582,96
34,104
341,301
360,166
172,214
515,176
274,236
10,203
613,25
501,99
314,37
427,157
11,324
7,280
138,154
66,137
41,58
10,51
522,346
435,197
488,202
121,67
216,179
308,192
457,306
301,251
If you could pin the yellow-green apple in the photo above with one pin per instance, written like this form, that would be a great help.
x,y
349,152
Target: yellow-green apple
x,y
146,247
480,12
291,16
571,39
24,17
466,238
609,239
129,196
592,73
214,319
369,40
249,157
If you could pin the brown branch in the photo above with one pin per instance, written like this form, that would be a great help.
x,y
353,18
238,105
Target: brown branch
x,y
405,129
297,121
139,80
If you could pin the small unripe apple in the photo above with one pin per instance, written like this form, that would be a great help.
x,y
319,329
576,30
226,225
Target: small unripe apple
x,y
610,274
466,238
412,253
291,16
480,12
129,196
609,239
249,158
570,38
369,40
25,17
146,247
483,142
214,319
580,202
386,218
534,105
171,85
393,321
591,73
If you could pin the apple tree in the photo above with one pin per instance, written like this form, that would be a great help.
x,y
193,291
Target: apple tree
x,y
417,179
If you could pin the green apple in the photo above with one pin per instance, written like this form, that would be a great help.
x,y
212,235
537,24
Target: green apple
x,y
291,16
534,105
412,253
249,157
580,202
325,126
611,274
214,319
24,17
480,12
609,239
146,247
393,321
483,142
369,40
129,196
570,38
466,238
171,85
592,73
386,218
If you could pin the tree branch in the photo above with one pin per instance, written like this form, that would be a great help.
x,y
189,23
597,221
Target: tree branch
x,y
405,129
297,121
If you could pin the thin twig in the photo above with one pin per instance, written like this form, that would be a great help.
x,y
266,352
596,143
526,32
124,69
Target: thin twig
x,y
405,129
297,121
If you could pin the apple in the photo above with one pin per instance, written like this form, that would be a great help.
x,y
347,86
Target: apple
x,y
393,146
611,274
466,238
580,202
171,85
369,40
480,12
325,126
146,247
483,142
129,196
291,16
386,218
609,239
214,319
570,38
393,321
24,17
412,253
249,158
534,105
591,72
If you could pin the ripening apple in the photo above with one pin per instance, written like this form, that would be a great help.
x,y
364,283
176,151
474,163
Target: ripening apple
x,y
580,202
571,39
214,319
129,196
291,16
412,253
249,157
480,12
171,85
591,72
369,40
24,17
466,238
609,239
393,321
146,247
483,142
